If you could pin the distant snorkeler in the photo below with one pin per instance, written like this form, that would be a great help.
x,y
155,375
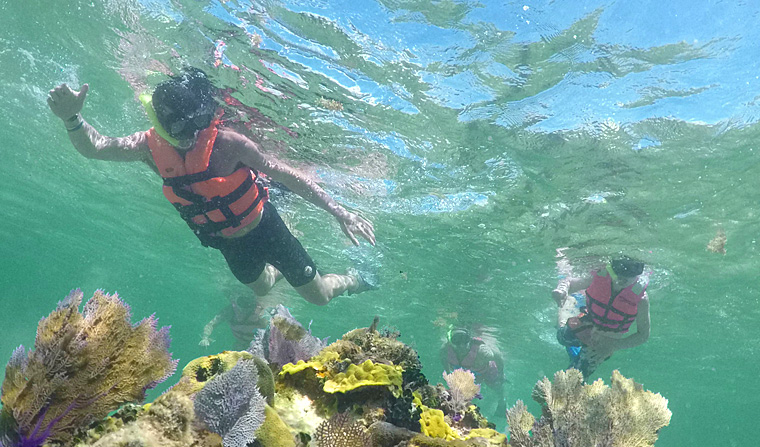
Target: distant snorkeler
x,y
244,315
464,349
212,177
593,325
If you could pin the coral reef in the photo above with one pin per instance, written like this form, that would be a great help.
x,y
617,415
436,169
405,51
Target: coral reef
x,y
342,431
83,366
366,389
166,423
199,371
230,404
574,414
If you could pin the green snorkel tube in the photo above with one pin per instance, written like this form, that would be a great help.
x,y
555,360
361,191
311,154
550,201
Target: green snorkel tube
x,y
147,101
612,273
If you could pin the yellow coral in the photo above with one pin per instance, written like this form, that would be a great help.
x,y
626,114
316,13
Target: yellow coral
x,y
201,370
274,432
491,436
317,363
434,425
366,374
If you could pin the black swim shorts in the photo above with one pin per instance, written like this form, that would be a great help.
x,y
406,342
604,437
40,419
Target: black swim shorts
x,y
566,337
270,242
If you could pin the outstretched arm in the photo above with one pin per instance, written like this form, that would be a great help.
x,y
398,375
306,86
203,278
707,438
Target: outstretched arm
x,y
67,104
568,286
250,154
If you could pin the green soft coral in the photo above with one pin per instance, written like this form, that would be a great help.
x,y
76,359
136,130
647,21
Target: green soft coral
x,y
620,415
366,374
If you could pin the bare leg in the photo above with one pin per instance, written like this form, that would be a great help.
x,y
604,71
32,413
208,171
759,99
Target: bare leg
x,y
322,289
566,310
266,280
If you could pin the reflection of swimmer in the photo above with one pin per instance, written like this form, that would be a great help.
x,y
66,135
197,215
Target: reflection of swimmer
x,y
593,325
462,349
211,176
243,315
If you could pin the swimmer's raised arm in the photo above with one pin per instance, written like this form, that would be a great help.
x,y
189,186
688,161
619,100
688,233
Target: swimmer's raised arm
x,y
250,154
568,286
67,104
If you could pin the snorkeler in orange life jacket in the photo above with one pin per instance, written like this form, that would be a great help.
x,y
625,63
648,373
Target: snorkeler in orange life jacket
x,y
592,326
210,176
464,350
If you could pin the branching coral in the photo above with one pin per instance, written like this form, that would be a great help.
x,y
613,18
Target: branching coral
x,y
574,414
231,405
342,431
83,366
462,390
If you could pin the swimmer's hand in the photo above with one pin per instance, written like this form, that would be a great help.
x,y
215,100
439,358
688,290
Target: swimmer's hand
x,y
354,225
66,103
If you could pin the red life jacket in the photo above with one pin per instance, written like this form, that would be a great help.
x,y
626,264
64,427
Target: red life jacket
x,y
609,313
488,373
211,206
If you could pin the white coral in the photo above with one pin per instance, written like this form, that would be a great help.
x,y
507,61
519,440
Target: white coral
x,y
462,386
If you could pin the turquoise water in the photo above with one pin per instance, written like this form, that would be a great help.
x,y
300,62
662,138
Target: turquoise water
x,y
477,136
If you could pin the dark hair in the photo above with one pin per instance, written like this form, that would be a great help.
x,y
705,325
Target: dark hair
x,y
185,103
627,267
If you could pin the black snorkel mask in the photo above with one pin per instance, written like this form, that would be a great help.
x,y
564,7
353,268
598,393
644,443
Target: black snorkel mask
x,y
185,128
185,105
627,267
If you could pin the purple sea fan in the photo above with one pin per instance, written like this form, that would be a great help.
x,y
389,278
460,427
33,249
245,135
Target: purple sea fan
x,y
288,341
83,366
230,404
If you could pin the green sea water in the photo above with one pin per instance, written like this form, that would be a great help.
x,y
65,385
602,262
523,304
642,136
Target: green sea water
x,y
468,212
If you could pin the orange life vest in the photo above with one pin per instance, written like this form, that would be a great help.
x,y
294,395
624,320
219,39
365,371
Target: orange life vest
x,y
610,313
211,206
